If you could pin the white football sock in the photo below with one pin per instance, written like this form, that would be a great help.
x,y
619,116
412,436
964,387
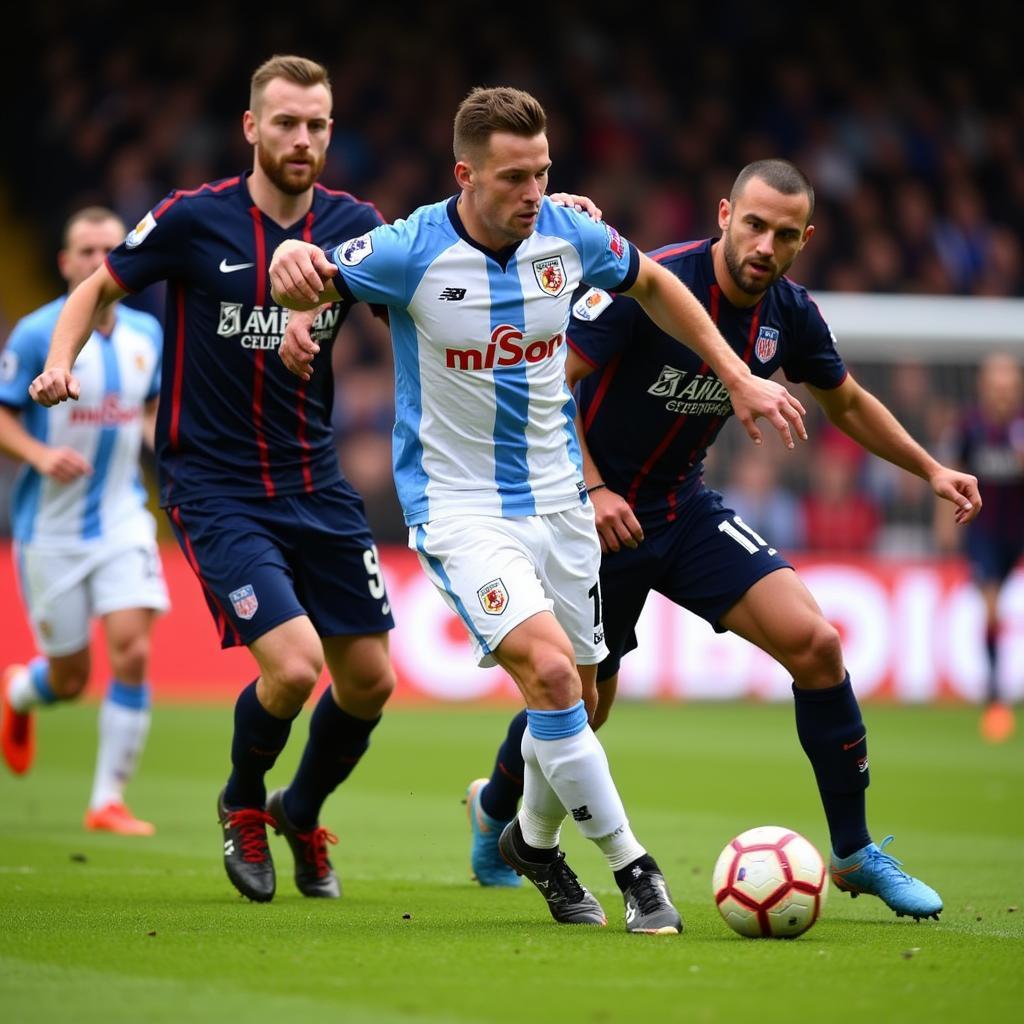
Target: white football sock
x,y
30,688
576,769
123,728
541,813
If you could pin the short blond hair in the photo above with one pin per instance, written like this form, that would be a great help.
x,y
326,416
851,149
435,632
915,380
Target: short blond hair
x,y
503,109
299,70
88,215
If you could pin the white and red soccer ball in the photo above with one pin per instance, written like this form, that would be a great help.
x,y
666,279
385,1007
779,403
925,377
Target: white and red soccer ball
x,y
770,882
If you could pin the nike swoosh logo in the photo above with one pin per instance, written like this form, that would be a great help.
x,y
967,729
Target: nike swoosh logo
x,y
230,268
850,746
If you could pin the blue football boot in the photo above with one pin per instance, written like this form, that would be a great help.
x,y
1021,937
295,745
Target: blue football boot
x,y
877,873
489,868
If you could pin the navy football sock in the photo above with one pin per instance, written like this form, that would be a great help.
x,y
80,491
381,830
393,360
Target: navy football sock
x,y
992,651
259,737
834,739
500,798
337,740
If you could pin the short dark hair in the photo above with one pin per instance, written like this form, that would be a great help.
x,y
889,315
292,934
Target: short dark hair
x,y
299,70
90,215
780,175
502,109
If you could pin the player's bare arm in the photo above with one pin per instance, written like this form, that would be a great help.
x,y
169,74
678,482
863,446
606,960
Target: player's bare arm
x,y
58,463
298,349
617,524
673,307
859,414
300,276
83,309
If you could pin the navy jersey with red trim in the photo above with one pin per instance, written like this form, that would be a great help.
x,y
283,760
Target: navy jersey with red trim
x,y
994,453
652,408
232,420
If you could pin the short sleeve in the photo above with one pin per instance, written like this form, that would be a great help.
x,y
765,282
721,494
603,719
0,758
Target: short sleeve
x,y
374,265
815,360
21,361
156,249
609,260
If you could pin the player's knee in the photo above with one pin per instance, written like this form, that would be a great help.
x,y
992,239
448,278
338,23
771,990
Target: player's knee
x,y
129,659
292,681
556,678
818,658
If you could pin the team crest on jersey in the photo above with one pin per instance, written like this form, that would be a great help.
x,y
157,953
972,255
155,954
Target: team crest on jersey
x,y
138,234
591,305
244,602
355,250
550,274
493,597
766,344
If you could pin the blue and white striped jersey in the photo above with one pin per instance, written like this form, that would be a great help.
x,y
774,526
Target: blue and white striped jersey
x,y
118,375
484,419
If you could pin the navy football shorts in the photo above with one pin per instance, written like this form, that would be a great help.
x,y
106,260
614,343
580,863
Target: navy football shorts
x,y
992,558
262,561
705,561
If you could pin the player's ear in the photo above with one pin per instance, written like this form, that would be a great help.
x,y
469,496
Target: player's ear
x,y
724,212
464,175
808,234
249,127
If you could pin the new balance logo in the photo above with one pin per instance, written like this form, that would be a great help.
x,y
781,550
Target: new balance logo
x,y
452,294
581,813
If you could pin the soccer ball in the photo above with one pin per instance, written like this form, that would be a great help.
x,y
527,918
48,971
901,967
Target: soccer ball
x,y
770,882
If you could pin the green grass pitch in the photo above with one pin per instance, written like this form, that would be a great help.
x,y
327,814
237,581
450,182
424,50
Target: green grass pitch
x,y
98,928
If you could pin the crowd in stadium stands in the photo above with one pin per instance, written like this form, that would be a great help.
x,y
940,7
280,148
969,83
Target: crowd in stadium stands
x,y
914,143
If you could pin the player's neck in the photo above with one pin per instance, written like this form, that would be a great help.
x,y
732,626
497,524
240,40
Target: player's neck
x,y
733,294
280,207
478,230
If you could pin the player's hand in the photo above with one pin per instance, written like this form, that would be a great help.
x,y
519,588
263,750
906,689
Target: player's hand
x,y
62,464
582,204
299,272
755,397
617,525
298,349
961,489
53,386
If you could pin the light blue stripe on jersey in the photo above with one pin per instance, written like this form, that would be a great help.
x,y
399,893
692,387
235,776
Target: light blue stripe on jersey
x,y
438,569
511,397
572,441
410,478
91,523
29,487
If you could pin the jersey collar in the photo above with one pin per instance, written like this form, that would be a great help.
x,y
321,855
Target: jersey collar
x,y
500,256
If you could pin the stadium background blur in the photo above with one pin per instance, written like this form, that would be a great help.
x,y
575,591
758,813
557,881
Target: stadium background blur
x,y
911,130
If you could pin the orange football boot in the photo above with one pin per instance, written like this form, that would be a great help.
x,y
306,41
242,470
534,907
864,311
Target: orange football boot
x,y
17,728
115,817
998,723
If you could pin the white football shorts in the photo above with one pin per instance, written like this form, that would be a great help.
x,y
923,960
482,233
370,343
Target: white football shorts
x,y
63,591
495,573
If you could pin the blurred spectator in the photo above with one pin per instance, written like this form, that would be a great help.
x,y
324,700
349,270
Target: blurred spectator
x,y
756,493
838,516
